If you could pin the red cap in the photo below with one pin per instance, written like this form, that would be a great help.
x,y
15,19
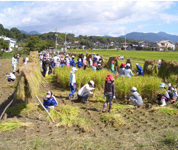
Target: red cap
x,y
112,62
123,64
109,77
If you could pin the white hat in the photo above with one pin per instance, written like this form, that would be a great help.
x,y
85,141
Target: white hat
x,y
136,64
73,56
48,94
67,55
128,64
134,89
74,69
92,83
79,60
169,84
84,57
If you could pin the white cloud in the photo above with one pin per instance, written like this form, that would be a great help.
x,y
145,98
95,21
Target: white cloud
x,y
88,18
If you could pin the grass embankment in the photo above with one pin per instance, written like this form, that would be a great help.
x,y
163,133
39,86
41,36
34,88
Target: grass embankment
x,y
147,86
12,125
137,55
68,116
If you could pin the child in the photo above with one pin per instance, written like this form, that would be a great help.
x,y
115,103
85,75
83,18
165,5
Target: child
x,y
139,70
164,95
128,72
135,97
49,101
112,67
109,92
72,82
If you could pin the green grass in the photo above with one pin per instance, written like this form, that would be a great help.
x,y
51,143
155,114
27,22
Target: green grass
x,y
137,55
12,125
166,110
170,139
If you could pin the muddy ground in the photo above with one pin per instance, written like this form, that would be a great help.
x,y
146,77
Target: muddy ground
x,y
145,129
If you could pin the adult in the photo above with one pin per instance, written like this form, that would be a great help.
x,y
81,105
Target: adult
x,y
72,82
85,91
84,62
14,63
109,92
49,101
135,97
128,72
139,70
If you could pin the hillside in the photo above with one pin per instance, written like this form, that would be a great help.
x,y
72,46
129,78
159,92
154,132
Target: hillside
x,y
152,37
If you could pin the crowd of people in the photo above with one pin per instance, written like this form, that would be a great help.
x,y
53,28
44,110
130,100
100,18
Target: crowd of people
x,y
50,60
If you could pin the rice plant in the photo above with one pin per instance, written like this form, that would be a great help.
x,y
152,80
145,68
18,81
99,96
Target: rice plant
x,y
113,119
12,124
147,86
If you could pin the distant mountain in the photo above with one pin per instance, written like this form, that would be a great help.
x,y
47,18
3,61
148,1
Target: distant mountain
x,y
30,33
107,36
152,37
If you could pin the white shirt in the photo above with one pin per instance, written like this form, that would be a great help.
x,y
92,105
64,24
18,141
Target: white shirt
x,y
72,78
14,61
85,89
11,76
55,59
128,73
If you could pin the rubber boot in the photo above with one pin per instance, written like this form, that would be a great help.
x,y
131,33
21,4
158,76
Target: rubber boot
x,y
104,107
163,102
110,106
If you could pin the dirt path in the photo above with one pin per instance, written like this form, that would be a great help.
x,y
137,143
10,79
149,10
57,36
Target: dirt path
x,y
144,129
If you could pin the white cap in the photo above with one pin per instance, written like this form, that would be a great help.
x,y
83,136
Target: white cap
x,y
169,84
84,57
48,94
74,69
136,64
73,56
80,60
92,83
134,89
67,55
128,64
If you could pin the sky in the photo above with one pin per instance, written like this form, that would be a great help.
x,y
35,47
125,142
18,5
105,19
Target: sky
x,y
91,17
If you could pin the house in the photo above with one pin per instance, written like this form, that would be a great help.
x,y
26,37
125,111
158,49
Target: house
x,y
76,42
11,41
176,45
166,44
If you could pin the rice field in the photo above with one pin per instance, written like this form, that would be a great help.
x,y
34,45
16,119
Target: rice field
x,y
136,55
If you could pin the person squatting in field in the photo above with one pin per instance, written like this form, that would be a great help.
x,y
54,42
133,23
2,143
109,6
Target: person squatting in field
x,y
85,91
127,71
109,92
135,97
72,82
11,77
139,70
49,101
164,95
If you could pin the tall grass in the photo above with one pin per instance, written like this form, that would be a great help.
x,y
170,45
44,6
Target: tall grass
x,y
147,86
82,77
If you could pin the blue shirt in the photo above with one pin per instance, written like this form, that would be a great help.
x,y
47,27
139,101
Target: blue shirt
x,y
140,70
50,102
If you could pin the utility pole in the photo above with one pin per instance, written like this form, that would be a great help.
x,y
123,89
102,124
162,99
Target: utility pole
x,y
65,42
56,35
125,39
